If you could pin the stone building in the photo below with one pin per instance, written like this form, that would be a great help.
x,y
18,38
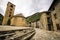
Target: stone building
x,y
18,20
50,20
34,20
46,21
42,20
11,19
55,12
8,14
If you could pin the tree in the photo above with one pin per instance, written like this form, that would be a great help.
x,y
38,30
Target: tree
x,y
1,18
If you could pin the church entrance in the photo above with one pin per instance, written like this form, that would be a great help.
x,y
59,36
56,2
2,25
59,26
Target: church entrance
x,y
9,22
49,27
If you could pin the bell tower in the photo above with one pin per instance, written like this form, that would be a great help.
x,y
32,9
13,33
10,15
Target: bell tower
x,y
8,14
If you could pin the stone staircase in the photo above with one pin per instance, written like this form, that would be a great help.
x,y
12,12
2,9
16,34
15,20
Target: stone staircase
x,y
17,34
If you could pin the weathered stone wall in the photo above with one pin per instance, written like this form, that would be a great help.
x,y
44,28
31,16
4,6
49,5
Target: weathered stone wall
x,y
54,21
43,21
32,24
9,13
18,21
57,19
13,21
36,24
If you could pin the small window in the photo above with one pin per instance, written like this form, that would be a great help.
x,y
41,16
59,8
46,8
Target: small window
x,y
48,13
55,16
29,24
10,9
11,6
49,19
37,24
10,14
53,9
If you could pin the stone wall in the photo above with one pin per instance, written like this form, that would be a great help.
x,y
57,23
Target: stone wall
x,y
43,21
18,21
9,13
56,16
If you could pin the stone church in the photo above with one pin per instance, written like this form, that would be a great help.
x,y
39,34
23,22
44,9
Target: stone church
x,y
49,20
18,20
11,19
9,13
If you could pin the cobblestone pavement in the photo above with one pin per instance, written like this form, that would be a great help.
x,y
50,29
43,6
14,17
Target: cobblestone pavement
x,y
46,35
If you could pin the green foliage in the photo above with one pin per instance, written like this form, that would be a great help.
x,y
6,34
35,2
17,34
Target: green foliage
x,y
1,18
34,17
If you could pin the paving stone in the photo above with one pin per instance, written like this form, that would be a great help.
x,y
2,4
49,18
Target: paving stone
x,y
46,35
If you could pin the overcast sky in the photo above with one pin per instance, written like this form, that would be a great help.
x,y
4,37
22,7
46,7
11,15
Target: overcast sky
x,y
27,7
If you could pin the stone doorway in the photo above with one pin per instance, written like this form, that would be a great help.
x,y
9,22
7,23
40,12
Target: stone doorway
x,y
58,26
8,22
50,27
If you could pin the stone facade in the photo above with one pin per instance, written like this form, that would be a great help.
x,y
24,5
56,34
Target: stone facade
x,y
34,24
34,20
52,22
43,20
9,13
56,15
46,21
18,20
11,19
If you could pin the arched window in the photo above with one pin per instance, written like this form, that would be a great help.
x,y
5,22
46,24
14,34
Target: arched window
x,y
11,6
55,16
10,14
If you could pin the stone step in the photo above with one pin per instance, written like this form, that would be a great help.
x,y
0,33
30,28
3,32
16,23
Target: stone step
x,y
19,36
7,34
28,36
